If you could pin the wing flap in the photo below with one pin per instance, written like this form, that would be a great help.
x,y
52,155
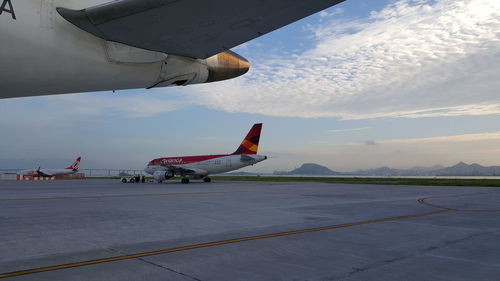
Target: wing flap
x,y
191,28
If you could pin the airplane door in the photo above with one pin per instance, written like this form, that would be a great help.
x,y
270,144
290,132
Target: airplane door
x,y
228,161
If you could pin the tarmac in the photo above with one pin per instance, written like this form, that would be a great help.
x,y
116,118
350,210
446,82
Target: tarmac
x,y
106,230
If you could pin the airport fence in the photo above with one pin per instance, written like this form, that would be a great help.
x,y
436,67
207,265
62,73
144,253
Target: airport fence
x,y
90,172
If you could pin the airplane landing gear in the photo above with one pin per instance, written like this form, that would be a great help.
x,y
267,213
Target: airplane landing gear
x,y
185,180
207,179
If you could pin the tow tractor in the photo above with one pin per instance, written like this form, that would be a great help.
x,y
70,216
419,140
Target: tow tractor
x,y
133,179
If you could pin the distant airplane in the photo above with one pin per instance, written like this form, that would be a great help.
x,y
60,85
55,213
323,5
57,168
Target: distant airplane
x,y
73,168
199,167
72,46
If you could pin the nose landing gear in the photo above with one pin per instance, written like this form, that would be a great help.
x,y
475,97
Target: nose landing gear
x,y
207,179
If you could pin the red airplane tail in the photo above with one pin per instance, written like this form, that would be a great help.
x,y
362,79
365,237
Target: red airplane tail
x,y
75,164
251,142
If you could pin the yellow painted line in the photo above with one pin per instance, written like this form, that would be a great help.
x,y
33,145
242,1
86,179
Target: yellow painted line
x,y
116,196
424,201
210,244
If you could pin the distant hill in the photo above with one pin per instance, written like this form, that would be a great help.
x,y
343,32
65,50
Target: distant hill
x,y
383,171
309,169
386,171
460,169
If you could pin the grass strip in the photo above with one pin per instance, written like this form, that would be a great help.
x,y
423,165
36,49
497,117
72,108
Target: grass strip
x,y
362,180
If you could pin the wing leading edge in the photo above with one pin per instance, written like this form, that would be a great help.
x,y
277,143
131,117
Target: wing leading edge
x,y
190,28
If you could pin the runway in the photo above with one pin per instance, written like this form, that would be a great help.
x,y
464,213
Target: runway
x,y
106,230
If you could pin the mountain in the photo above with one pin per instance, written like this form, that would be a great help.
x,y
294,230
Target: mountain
x,y
460,169
386,171
433,168
309,169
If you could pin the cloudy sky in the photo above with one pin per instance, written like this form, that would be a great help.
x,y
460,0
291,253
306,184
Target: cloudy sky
x,y
360,85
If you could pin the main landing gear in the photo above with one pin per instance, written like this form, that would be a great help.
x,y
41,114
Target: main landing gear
x,y
186,180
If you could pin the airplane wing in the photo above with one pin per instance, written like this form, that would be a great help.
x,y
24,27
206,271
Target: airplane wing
x,y
42,173
191,28
178,170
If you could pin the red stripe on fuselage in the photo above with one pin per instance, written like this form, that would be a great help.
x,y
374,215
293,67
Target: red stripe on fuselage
x,y
172,161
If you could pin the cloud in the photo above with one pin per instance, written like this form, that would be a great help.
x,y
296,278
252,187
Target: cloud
x,y
414,58
370,142
325,14
121,103
449,139
348,130
132,105
405,153
480,148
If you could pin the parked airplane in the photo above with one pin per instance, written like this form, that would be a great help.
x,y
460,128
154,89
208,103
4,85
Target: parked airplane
x,y
199,167
73,168
71,46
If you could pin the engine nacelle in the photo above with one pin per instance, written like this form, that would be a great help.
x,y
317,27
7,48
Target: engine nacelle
x,y
162,175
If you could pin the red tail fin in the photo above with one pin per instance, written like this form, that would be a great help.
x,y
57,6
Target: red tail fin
x,y
251,143
75,164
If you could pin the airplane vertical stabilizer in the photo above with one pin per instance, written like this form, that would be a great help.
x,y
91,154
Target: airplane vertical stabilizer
x,y
75,166
251,142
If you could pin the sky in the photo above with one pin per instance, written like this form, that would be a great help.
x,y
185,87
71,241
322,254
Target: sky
x,y
360,85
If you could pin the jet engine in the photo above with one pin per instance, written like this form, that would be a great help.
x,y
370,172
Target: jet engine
x,y
163,175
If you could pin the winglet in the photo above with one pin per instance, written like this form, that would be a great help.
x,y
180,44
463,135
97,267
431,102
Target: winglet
x,y
251,142
75,164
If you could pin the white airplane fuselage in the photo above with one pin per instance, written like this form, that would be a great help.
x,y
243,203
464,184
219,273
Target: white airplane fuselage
x,y
43,54
73,168
199,167
47,172
204,165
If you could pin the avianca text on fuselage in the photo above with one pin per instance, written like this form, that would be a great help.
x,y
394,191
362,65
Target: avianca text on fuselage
x,y
7,10
168,161
200,167
184,160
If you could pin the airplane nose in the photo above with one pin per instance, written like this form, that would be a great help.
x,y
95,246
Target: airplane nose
x,y
226,65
